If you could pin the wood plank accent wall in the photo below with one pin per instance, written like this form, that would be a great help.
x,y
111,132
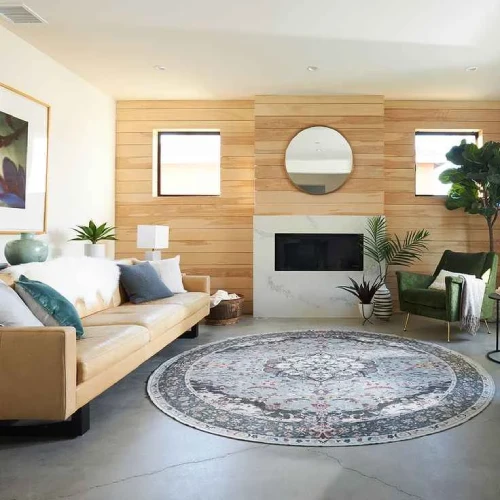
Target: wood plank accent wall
x,y
212,234
359,118
453,230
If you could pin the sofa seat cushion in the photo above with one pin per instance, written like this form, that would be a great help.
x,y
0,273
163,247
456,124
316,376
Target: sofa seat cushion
x,y
157,318
191,301
425,297
104,346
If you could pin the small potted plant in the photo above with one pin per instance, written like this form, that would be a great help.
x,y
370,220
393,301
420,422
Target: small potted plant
x,y
364,291
94,234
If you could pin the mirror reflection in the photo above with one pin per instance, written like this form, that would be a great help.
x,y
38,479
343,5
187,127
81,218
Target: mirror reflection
x,y
318,160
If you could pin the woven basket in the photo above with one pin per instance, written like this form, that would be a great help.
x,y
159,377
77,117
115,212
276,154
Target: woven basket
x,y
227,312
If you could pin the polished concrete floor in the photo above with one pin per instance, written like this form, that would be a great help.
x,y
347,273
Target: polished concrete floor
x,y
133,451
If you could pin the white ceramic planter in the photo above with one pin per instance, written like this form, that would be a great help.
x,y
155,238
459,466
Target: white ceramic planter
x,y
97,251
383,303
365,311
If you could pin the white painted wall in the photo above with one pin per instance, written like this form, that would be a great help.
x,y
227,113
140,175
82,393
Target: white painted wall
x,y
81,142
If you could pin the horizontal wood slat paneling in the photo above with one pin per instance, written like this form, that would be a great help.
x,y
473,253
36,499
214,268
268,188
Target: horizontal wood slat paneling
x,y
453,230
359,118
213,234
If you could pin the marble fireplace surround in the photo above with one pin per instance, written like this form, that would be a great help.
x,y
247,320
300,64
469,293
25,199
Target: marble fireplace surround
x,y
302,294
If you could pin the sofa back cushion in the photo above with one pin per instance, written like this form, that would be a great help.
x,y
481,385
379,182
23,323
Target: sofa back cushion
x,y
91,285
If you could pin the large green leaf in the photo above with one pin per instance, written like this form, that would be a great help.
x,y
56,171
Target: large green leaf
x,y
451,175
405,252
375,241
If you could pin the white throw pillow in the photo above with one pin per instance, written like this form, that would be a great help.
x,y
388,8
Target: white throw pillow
x,y
169,270
13,311
439,282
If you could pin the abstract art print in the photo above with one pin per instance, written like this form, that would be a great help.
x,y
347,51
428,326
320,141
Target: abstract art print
x,y
23,162
14,151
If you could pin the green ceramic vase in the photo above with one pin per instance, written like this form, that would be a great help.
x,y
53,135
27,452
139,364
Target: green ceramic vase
x,y
25,250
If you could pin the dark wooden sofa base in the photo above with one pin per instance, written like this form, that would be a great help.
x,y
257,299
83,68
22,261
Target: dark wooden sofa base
x,y
77,425
193,333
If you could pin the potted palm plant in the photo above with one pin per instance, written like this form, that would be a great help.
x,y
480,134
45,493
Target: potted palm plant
x,y
389,250
94,234
364,292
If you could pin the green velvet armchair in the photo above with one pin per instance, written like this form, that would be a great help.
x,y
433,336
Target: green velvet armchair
x,y
416,298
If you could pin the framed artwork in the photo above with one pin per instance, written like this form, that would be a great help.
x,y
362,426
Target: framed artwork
x,y
24,129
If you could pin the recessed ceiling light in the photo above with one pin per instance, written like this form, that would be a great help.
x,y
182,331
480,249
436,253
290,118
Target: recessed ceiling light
x,y
319,150
159,67
471,69
312,68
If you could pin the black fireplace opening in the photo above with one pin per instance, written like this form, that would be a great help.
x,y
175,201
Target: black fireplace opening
x,y
318,252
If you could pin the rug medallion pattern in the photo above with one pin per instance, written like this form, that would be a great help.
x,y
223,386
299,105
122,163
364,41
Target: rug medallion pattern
x,y
321,388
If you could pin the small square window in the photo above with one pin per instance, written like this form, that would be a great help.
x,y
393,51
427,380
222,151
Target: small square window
x,y
430,159
189,163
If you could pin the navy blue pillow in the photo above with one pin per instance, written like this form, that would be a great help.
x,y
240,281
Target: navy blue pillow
x,y
142,283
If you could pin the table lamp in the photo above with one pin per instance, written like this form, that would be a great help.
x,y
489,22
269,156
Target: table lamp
x,y
153,238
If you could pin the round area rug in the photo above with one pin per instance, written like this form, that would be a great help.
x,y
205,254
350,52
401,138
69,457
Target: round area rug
x,y
321,388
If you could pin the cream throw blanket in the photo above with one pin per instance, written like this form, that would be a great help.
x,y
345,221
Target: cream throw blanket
x,y
472,300
221,295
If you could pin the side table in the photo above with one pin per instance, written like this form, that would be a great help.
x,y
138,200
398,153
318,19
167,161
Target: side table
x,y
496,298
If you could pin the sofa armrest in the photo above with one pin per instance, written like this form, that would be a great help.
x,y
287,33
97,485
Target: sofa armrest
x,y
408,280
37,373
196,283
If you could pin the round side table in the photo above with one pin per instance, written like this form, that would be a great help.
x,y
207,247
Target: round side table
x,y
496,298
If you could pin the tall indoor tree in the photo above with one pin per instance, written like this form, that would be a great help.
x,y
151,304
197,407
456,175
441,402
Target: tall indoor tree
x,y
475,184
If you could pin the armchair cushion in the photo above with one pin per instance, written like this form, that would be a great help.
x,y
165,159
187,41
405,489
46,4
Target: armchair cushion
x,y
426,297
463,263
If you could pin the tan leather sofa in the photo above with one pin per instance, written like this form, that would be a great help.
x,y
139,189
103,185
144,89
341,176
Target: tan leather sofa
x,y
46,374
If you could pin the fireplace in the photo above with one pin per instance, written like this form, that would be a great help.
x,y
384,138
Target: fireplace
x,y
300,260
318,252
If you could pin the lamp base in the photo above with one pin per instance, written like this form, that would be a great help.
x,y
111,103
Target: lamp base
x,y
153,255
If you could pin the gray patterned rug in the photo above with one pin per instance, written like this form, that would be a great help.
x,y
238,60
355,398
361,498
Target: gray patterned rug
x,y
321,388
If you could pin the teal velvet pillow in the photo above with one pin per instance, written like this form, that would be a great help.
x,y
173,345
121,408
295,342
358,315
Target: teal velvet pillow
x,y
48,305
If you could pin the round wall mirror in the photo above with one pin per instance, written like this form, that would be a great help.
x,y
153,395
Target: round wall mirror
x,y
318,160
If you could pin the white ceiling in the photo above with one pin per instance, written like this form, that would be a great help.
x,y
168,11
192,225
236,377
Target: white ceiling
x,y
234,49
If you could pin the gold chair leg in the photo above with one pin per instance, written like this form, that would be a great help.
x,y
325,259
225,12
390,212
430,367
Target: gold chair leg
x,y
448,324
406,322
487,327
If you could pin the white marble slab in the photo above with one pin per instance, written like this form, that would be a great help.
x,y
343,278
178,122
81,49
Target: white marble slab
x,y
302,294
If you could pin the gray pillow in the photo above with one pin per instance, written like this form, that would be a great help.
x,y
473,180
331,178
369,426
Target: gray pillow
x,y
142,283
13,311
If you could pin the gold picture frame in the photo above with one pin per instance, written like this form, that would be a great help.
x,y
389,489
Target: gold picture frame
x,y
24,138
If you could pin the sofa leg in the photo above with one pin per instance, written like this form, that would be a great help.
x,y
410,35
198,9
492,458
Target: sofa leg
x,y
406,322
487,327
448,325
193,333
80,421
77,425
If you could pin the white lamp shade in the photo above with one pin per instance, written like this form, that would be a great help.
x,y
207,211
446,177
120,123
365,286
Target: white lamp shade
x,y
152,237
